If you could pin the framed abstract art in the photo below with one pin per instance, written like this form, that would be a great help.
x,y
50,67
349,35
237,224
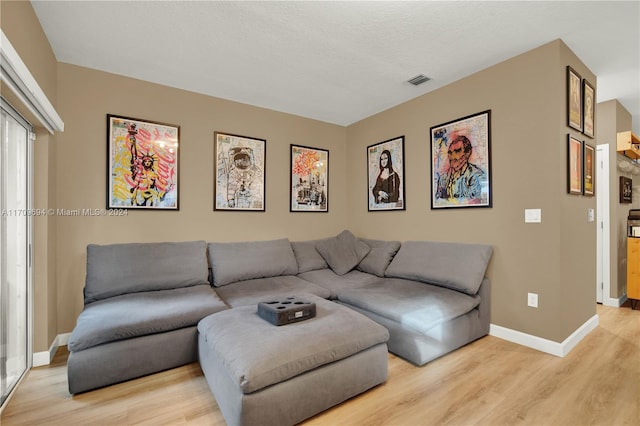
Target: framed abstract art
x,y
239,172
142,164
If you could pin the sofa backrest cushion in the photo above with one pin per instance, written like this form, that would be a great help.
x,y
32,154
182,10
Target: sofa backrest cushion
x,y
117,269
307,256
458,266
232,262
342,252
379,257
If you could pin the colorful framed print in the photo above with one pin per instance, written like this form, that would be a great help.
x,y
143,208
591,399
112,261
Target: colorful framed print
x,y
385,174
588,102
239,172
142,164
626,190
461,162
574,99
309,190
588,184
574,166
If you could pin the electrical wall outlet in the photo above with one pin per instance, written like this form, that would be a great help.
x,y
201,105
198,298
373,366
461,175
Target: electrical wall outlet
x,y
532,300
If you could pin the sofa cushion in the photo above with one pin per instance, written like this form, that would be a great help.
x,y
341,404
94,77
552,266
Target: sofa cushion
x,y
458,266
251,292
139,314
379,257
342,252
413,304
333,282
117,269
307,256
267,355
231,262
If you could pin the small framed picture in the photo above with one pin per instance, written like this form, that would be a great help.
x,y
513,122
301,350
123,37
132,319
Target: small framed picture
x,y
239,172
574,99
461,162
589,170
574,166
588,97
143,164
309,190
385,174
626,190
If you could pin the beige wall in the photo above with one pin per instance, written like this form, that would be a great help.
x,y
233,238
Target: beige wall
x,y
21,26
526,95
556,259
613,118
87,96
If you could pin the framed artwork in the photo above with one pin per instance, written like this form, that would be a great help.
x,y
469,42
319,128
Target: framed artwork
x,y
142,164
626,190
588,183
385,175
574,99
574,166
588,97
461,162
309,190
239,172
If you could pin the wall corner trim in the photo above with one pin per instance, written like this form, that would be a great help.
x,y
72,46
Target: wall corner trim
x,y
45,357
544,345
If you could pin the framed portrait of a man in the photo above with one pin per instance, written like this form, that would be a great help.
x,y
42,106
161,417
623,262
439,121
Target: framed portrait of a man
x,y
461,162
385,174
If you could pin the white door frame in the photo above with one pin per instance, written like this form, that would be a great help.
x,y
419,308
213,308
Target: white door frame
x,y
603,226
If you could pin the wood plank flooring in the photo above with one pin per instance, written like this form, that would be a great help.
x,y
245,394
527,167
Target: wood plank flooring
x,y
489,382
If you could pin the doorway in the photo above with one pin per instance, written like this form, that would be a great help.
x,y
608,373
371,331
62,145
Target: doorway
x,y
15,246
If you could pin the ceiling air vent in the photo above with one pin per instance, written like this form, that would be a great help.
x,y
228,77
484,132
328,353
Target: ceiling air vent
x,y
418,79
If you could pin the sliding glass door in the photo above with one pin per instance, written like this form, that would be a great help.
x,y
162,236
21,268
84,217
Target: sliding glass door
x,y
15,274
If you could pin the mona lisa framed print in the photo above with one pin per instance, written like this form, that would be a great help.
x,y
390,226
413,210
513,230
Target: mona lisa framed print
x,y
385,175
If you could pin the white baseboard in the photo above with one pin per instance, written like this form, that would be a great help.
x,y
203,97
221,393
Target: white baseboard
x,y
45,357
544,345
616,303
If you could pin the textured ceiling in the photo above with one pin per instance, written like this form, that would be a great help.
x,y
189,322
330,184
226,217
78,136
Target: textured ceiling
x,y
338,62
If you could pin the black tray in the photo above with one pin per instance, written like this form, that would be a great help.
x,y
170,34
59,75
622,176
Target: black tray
x,y
286,311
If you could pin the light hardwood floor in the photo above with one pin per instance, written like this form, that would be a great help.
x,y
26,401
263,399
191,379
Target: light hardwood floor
x,y
489,382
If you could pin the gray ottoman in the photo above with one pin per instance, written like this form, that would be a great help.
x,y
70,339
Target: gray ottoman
x,y
262,374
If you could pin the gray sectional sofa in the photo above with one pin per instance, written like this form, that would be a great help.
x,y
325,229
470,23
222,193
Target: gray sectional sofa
x,y
143,302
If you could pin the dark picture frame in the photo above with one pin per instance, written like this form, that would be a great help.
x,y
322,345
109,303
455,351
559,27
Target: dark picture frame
x,y
575,166
142,164
461,163
574,99
589,167
309,183
626,190
589,108
239,178
385,175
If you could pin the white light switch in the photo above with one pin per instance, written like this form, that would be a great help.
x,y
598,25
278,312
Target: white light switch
x,y
532,215
591,215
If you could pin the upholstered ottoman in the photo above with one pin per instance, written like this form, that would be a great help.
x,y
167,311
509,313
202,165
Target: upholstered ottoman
x,y
263,374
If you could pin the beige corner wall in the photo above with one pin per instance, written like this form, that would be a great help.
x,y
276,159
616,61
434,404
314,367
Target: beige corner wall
x,y
21,26
556,259
526,94
87,96
613,118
